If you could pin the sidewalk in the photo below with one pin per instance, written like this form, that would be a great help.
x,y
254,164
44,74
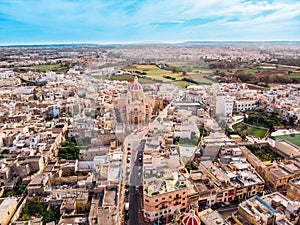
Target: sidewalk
x,y
140,212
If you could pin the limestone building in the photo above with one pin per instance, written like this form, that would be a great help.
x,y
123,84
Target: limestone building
x,y
134,106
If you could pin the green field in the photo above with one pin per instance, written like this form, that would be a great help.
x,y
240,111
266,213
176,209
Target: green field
x,y
54,67
264,153
293,138
257,132
295,75
250,130
153,74
157,74
181,84
202,80
125,77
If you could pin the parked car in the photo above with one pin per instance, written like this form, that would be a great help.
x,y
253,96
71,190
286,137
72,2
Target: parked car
x,y
126,215
126,206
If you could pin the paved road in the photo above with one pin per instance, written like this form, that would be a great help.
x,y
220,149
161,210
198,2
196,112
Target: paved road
x,y
135,181
228,210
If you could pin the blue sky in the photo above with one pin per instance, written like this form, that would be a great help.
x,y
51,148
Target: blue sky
x,y
119,21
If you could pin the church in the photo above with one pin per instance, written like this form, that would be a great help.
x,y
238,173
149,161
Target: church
x,y
135,107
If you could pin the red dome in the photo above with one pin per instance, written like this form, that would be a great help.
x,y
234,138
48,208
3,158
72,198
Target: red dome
x,y
191,219
136,86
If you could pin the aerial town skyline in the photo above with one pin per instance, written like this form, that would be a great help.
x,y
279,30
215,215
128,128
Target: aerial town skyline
x,y
150,135
149,112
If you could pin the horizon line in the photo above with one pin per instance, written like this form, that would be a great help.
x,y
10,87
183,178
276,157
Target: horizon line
x,y
138,42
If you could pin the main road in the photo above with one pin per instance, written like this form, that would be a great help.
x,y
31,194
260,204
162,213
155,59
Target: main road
x,y
134,188
134,177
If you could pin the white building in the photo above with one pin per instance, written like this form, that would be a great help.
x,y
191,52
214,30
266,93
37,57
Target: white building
x,y
245,105
224,105
6,74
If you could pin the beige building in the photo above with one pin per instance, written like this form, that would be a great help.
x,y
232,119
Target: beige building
x,y
212,218
82,202
134,106
8,207
293,189
165,193
287,149
269,209
278,176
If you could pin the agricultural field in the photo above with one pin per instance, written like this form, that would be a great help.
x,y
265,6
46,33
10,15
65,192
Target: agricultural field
x,y
152,71
201,78
153,74
125,77
264,74
181,84
55,68
168,76
293,138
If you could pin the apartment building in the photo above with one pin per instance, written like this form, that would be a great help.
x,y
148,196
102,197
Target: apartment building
x,y
244,105
224,105
277,176
165,193
293,189
270,209
228,179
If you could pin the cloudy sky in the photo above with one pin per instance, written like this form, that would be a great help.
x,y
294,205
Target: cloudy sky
x,y
119,21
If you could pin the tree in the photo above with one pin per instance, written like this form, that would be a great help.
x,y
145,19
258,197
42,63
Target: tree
x,y
291,121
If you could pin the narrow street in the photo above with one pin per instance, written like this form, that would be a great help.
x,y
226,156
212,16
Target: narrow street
x,y
227,211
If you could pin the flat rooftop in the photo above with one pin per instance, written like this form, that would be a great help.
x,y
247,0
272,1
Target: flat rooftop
x,y
213,218
159,182
256,205
109,198
5,203
113,173
295,181
188,104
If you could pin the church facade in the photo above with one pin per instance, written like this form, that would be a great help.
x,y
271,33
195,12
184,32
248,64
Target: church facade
x,y
134,106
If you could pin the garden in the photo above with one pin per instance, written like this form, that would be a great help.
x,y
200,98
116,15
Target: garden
x,y
264,153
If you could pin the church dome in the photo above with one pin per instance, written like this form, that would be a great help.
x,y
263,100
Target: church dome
x,y
135,86
191,219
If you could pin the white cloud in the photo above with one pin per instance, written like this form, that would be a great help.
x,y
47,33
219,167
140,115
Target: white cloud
x,y
197,19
